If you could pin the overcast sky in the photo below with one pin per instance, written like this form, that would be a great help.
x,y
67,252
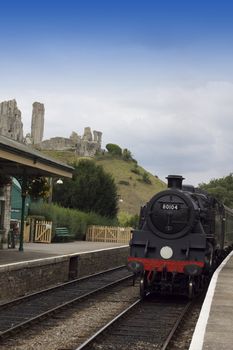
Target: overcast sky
x,y
155,76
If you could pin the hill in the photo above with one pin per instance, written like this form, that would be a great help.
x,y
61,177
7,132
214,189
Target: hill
x,y
134,184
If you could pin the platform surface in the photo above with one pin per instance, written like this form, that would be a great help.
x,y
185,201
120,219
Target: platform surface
x,y
34,251
214,329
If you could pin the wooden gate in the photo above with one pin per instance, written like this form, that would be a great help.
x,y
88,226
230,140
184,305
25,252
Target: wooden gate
x,y
109,234
43,231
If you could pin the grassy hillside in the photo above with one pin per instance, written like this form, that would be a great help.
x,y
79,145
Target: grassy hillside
x,y
133,191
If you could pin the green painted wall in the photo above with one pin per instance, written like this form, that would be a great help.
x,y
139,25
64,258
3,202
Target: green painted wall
x,y
16,201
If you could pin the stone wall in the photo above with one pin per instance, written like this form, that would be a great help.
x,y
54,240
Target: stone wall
x,y
86,146
26,277
57,144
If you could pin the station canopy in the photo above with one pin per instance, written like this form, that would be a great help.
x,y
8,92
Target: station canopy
x,y
19,160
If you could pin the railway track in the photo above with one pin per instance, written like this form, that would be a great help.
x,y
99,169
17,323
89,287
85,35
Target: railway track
x,y
146,324
31,308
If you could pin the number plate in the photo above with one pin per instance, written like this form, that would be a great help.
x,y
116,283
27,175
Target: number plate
x,y
170,206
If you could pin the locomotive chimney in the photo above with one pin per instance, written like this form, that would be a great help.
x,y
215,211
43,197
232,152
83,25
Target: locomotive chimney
x,y
174,181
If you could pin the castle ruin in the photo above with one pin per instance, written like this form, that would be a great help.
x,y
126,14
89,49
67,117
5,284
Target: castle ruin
x,y
11,126
85,146
10,121
37,125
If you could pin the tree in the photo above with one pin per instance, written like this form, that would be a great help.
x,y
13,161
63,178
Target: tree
x,y
91,190
38,187
126,154
221,188
114,149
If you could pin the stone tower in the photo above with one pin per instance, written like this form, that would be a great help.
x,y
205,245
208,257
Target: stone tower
x,y
37,126
10,121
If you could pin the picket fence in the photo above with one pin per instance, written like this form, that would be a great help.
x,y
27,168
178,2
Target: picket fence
x,y
108,234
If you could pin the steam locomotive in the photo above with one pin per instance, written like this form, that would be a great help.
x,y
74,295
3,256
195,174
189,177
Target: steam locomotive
x,y
183,235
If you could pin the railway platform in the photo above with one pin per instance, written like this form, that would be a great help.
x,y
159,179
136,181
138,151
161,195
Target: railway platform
x,y
42,266
214,327
34,251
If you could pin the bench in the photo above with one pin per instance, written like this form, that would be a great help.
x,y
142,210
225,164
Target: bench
x,y
62,234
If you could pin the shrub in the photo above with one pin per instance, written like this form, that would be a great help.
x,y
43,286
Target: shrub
x,y
126,155
135,169
145,178
114,149
123,182
128,220
75,220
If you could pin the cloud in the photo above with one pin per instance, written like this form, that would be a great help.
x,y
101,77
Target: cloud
x,y
168,128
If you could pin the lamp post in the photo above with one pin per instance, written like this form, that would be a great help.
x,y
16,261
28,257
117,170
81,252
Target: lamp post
x,y
23,196
59,182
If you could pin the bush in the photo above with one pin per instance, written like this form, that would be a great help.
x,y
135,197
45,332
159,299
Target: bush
x,y
146,178
114,149
126,155
75,220
135,169
128,220
123,182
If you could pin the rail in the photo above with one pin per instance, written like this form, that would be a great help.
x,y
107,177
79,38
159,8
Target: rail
x,y
21,311
155,331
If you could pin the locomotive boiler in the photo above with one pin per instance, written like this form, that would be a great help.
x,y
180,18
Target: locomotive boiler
x,y
183,234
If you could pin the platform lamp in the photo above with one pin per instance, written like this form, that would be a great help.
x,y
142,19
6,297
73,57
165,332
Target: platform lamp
x,y
59,182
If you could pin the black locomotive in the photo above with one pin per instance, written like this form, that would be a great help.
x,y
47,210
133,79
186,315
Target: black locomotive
x,y
183,234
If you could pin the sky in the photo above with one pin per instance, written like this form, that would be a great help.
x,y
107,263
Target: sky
x,y
155,76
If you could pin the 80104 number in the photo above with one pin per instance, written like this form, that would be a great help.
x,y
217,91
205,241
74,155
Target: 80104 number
x,y
170,206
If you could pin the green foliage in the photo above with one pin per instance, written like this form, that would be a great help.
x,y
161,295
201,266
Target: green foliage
x,y
146,178
135,169
114,149
38,187
90,190
76,221
127,220
221,188
126,155
123,182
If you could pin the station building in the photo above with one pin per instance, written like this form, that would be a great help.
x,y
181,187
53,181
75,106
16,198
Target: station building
x,y
20,161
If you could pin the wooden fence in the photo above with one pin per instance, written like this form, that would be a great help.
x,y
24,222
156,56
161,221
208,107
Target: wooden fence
x,y
43,232
109,234
26,236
